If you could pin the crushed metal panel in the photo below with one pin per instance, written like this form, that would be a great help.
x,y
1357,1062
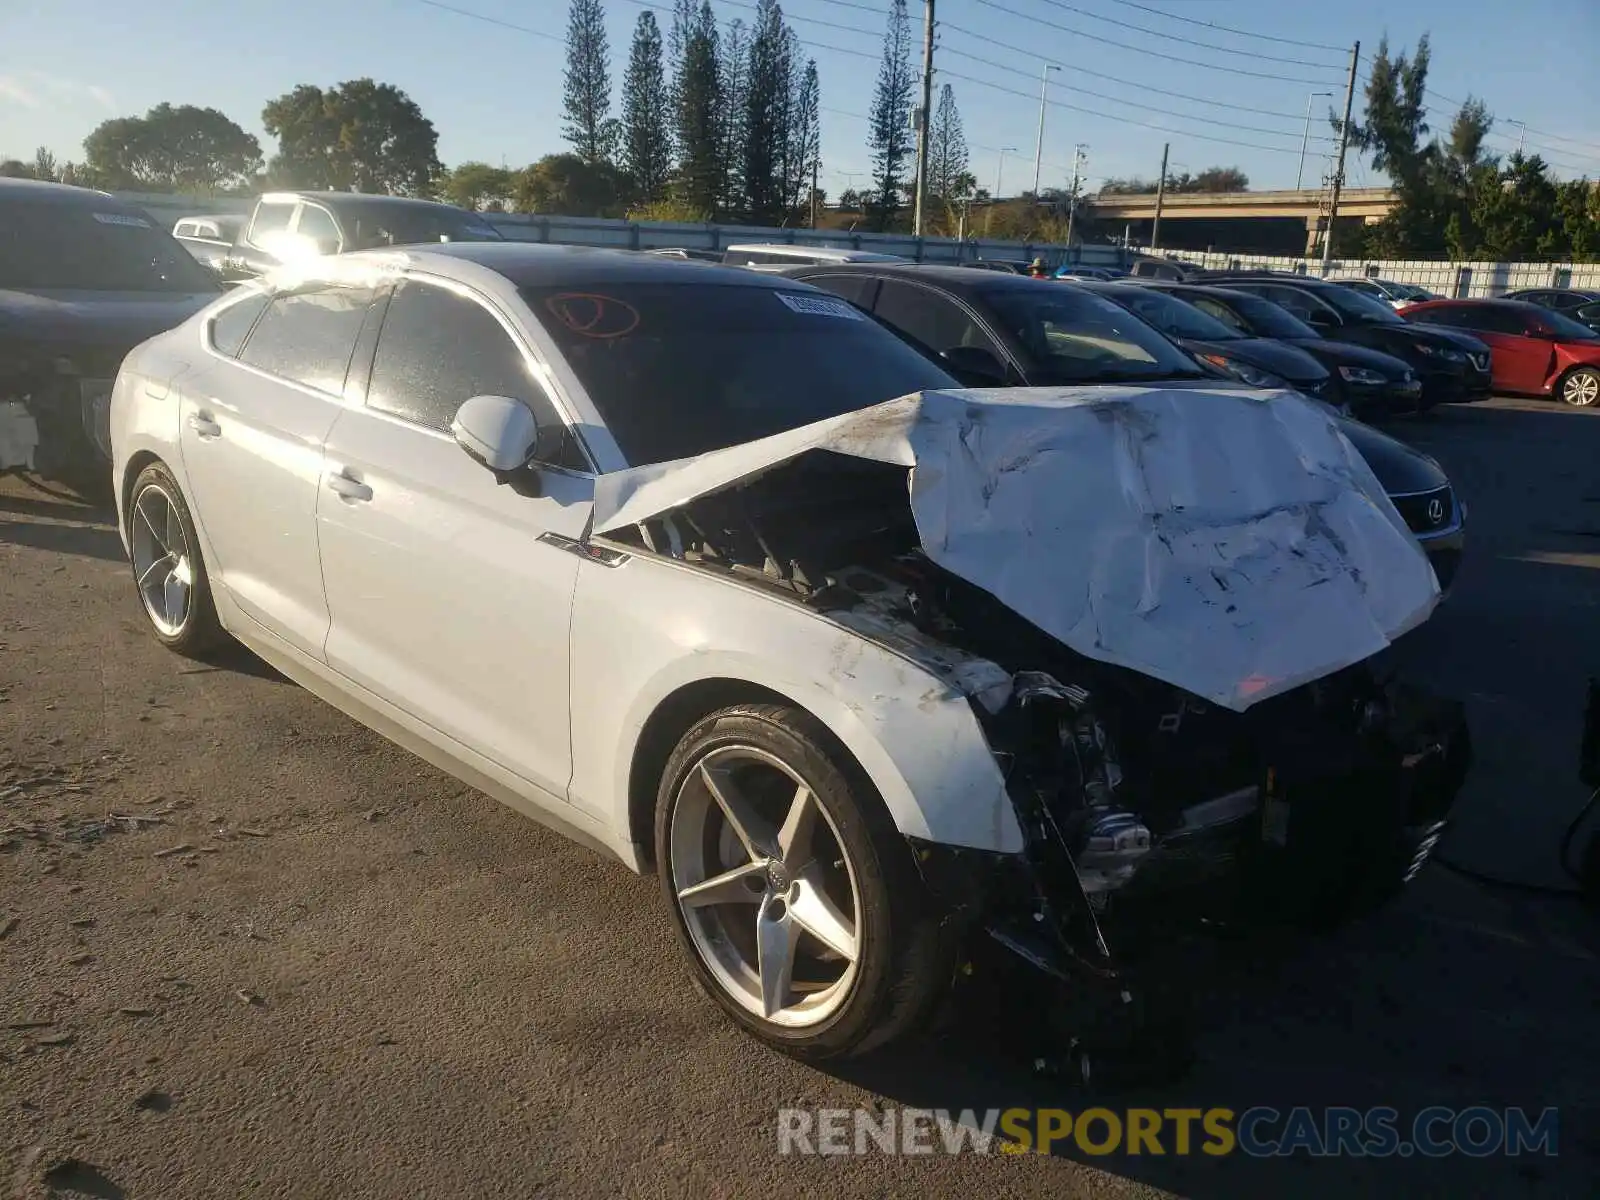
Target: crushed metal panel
x,y
1230,542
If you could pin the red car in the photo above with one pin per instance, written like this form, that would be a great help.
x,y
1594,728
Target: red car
x,y
1536,352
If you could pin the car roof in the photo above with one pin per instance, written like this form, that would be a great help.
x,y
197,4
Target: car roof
x,y
537,264
365,199
1523,306
61,193
845,253
1222,294
945,275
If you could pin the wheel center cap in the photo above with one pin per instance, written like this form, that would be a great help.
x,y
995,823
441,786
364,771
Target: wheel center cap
x,y
777,876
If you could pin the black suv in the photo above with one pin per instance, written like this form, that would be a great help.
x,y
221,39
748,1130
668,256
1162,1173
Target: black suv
x,y
1453,367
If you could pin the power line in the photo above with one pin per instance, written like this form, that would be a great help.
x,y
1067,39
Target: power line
x,y
662,8
1173,37
1265,37
1124,120
1191,62
1297,118
461,12
989,62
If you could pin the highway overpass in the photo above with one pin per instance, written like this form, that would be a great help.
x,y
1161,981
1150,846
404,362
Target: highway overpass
x,y
1271,222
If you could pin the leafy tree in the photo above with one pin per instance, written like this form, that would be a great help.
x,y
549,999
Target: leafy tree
x,y
646,136
700,130
733,75
587,102
766,117
564,184
1221,179
1578,202
477,185
890,124
15,168
947,148
850,200
43,167
184,148
358,136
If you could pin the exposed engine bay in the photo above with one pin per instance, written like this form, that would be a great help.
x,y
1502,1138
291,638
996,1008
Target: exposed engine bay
x,y
1145,809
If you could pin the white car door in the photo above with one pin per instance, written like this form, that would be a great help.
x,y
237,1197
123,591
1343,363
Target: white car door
x,y
252,427
445,599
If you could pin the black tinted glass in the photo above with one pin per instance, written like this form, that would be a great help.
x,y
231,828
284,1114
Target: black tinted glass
x,y
374,225
229,327
438,350
308,336
101,248
1173,317
1073,335
1266,319
677,369
929,318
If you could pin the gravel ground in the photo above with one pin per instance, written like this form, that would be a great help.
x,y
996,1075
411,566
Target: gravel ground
x,y
249,948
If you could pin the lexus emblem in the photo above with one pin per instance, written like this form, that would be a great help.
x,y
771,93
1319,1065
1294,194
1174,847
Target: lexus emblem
x,y
1435,510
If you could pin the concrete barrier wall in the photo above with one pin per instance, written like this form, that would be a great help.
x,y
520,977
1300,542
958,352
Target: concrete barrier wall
x,y
1446,278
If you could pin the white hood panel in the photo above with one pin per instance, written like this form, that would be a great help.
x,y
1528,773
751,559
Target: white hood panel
x,y
1230,542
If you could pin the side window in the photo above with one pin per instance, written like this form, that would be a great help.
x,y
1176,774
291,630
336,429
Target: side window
x,y
1589,314
437,350
184,229
858,289
230,326
1561,301
269,219
315,223
1221,312
309,335
929,318
1293,299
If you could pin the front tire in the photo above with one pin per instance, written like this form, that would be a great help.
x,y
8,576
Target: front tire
x,y
791,891
168,569
1580,388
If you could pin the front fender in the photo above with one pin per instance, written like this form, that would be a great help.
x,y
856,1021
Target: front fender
x,y
643,631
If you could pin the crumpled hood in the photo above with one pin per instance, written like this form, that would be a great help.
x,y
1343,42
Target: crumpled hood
x,y
1230,542
64,318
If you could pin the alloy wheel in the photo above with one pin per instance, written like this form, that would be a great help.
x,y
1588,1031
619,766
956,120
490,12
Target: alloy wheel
x,y
765,886
163,560
1581,389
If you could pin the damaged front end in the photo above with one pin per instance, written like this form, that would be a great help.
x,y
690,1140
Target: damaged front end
x,y
55,410
1148,813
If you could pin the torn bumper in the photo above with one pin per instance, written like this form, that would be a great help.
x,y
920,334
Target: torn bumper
x,y
55,417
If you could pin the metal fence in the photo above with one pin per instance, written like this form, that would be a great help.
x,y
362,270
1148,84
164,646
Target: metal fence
x,y
1446,278
1455,279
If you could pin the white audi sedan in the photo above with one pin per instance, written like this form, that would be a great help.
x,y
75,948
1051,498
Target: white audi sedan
x,y
713,572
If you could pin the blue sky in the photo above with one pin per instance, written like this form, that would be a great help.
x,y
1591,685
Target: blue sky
x,y
494,92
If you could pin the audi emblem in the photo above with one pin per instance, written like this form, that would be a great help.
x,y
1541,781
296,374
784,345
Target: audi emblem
x,y
1435,510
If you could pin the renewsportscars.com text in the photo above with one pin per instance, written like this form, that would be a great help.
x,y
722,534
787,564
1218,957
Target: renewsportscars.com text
x,y
1478,1131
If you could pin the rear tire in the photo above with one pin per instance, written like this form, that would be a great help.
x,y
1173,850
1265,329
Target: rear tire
x,y
1580,387
792,893
168,568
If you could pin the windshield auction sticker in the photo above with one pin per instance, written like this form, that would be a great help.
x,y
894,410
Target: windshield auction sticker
x,y
818,306
122,219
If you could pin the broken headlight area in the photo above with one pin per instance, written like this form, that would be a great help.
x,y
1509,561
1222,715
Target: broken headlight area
x,y
55,411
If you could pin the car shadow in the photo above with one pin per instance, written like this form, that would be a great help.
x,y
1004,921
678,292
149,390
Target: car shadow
x,y
45,519
1458,994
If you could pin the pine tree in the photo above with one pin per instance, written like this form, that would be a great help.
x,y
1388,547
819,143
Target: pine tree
x,y
698,94
588,84
947,148
735,80
766,119
646,135
804,141
890,124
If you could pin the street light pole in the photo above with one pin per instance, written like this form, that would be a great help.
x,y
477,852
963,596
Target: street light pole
x,y
1338,165
1521,137
999,172
1038,150
923,117
1306,137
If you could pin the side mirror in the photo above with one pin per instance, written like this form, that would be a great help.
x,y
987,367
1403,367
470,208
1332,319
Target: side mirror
x,y
499,432
974,366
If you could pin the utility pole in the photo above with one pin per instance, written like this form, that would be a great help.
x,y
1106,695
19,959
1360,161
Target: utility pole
x,y
815,163
1038,150
922,118
1338,166
1161,194
1306,137
1078,159
1521,137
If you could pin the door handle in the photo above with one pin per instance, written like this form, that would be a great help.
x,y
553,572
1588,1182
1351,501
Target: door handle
x,y
351,489
204,426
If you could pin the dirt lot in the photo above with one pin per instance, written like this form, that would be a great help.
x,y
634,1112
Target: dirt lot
x,y
248,948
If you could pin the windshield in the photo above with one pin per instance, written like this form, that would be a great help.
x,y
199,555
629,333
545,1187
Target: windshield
x,y
1565,328
1358,307
1172,316
678,369
92,248
373,225
1270,320
1075,336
